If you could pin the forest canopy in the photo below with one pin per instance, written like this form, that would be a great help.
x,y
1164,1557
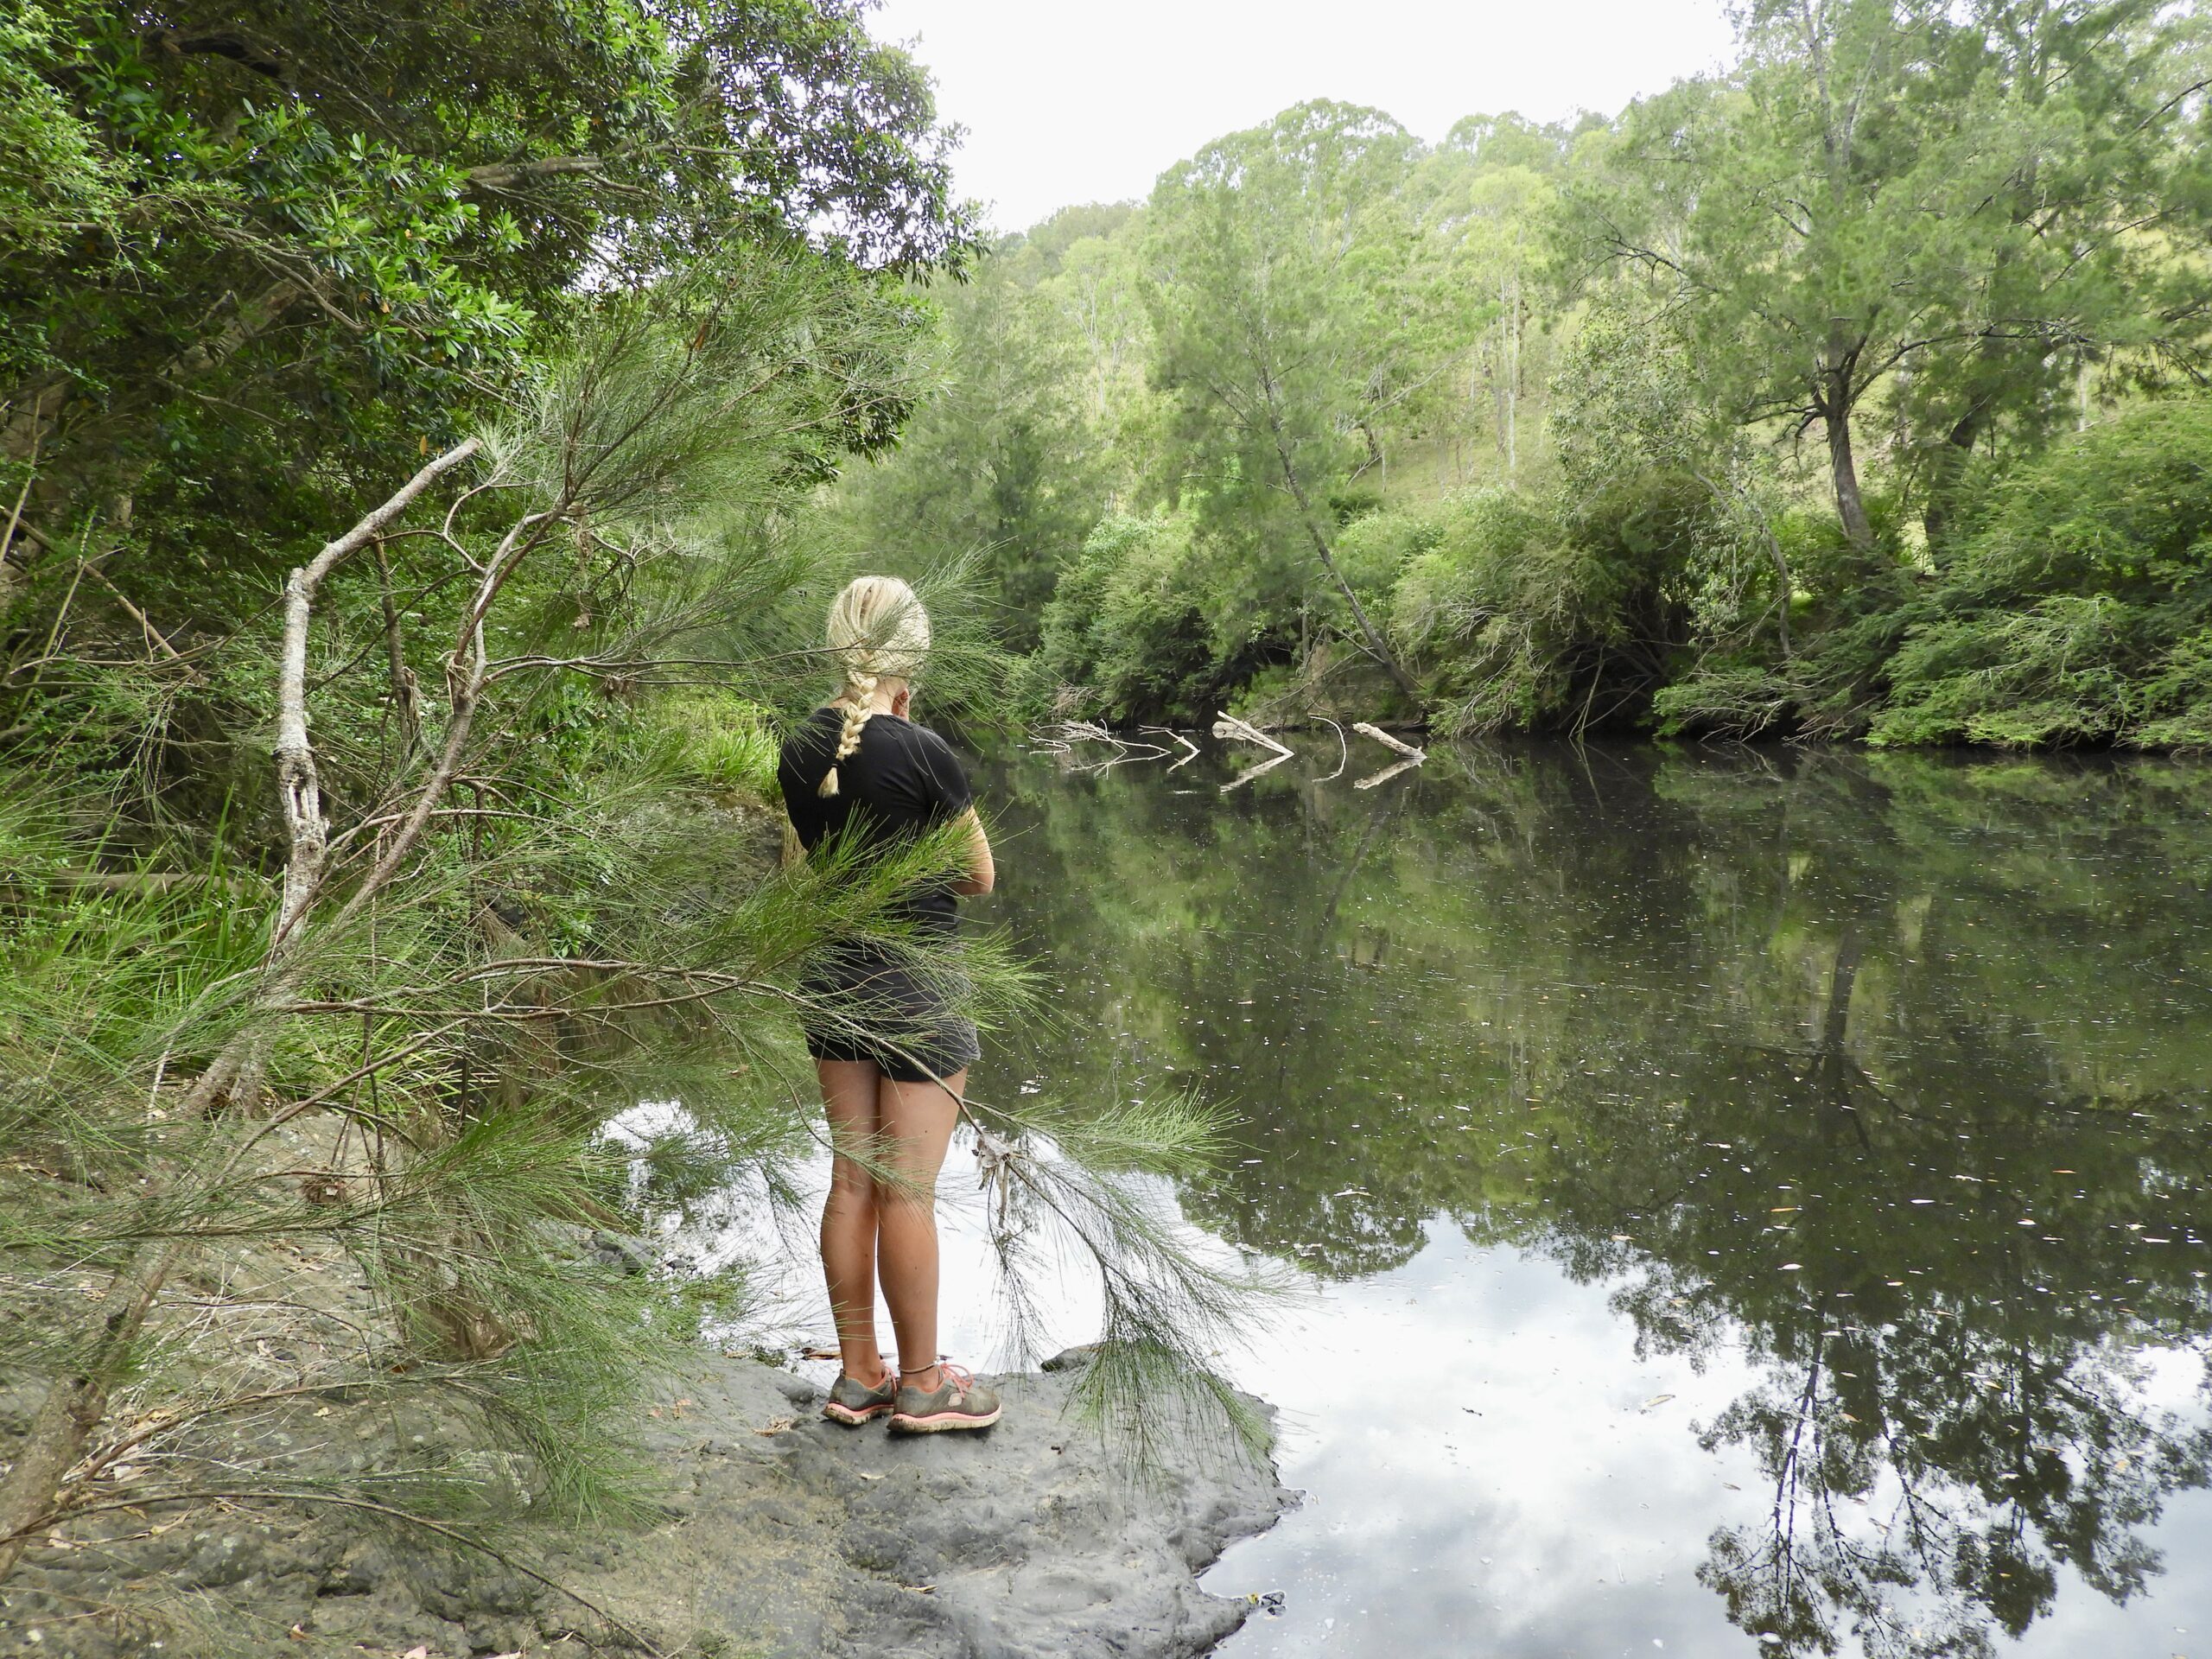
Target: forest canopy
x,y
1717,417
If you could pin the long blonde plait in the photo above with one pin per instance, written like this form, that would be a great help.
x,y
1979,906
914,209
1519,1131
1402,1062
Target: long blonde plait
x,y
878,631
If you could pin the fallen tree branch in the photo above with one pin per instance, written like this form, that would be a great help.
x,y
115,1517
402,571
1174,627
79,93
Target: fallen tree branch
x,y
1344,750
1227,725
298,781
1061,739
1414,756
1190,749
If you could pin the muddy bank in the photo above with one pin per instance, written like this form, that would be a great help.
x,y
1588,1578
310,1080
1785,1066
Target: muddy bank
x,y
775,1533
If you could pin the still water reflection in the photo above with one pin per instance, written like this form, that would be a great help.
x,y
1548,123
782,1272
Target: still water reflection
x,y
1758,1200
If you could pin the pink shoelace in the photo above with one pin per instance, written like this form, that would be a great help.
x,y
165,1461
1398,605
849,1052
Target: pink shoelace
x,y
960,1376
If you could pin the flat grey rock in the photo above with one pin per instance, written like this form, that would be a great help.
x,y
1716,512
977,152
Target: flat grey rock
x,y
779,1533
798,1390
1026,1540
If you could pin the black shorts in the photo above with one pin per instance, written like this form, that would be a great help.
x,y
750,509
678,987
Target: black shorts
x,y
885,1013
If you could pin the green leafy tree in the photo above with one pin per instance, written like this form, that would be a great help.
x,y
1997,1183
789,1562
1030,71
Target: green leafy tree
x,y
1879,187
368,212
1013,456
2079,610
2089,275
1485,199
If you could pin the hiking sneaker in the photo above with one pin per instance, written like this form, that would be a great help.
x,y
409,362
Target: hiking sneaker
x,y
956,1403
854,1403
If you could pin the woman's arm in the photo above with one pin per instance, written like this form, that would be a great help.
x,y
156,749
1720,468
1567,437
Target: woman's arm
x,y
982,872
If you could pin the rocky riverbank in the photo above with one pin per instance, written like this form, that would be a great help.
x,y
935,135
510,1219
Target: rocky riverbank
x,y
774,1533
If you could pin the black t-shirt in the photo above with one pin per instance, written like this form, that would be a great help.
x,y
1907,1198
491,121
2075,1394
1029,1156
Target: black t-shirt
x,y
904,781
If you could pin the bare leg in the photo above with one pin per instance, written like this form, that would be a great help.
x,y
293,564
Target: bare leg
x,y
918,1119
848,1215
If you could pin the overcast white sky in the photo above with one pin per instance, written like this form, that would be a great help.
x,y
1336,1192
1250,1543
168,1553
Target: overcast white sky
x,y
1068,102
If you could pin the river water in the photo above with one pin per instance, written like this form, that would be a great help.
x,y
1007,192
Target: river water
x,y
1750,1202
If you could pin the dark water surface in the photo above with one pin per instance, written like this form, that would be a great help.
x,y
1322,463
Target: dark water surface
x,y
1756,1202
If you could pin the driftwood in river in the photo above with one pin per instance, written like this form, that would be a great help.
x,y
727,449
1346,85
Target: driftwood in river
x,y
1061,737
1414,756
1228,726
1190,749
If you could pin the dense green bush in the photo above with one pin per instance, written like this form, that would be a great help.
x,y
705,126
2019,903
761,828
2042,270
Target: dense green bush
x,y
1529,614
2075,609
1128,620
1375,549
724,742
1808,662
2079,609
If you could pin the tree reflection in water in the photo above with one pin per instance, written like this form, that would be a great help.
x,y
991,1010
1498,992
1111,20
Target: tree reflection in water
x,y
1885,1072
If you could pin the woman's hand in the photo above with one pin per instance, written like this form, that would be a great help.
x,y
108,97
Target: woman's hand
x,y
983,873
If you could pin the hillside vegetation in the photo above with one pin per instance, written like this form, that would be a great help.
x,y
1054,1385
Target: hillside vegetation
x,y
1857,390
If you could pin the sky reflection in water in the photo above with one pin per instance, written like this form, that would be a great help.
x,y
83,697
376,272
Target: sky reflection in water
x,y
1749,1194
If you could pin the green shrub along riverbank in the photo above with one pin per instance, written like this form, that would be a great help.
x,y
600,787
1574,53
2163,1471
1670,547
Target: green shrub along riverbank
x,y
1855,390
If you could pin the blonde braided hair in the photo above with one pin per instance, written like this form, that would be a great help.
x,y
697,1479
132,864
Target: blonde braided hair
x,y
878,631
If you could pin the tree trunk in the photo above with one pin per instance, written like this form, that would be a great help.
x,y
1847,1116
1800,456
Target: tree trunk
x,y
1785,589
1511,372
1848,506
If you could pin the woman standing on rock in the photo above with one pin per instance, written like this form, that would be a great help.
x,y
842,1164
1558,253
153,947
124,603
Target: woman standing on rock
x,y
858,767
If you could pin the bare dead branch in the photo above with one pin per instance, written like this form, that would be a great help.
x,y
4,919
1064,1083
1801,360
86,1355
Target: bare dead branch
x,y
1414,756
